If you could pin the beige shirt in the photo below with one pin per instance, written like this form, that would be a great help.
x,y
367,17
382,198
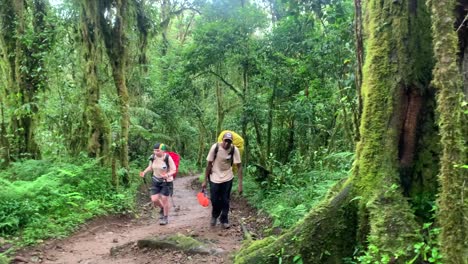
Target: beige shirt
x,y
159,166
222,169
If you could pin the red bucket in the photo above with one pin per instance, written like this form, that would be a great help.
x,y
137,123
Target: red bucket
x,y
202,199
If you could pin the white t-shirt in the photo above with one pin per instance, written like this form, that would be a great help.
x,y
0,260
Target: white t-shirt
x,y
159,166
222,169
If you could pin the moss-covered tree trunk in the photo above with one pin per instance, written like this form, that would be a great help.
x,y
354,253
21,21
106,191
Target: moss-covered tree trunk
x,y
25,42
370,209
8,44
220,113
453,202
4,143
95,137
359,61
113,23
245,113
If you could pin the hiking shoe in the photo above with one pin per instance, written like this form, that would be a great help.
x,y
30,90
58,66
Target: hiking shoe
x,y
226,225
163,220
213,221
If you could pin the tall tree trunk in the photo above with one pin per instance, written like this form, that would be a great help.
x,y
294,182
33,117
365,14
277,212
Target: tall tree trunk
x,y
245,119
220,113
25,59
18,119
8,42
369,207
95,137
270,121
359,60
36,76
201,140
119,79
163,27
113,29
143,24
453,122
262,156
4,143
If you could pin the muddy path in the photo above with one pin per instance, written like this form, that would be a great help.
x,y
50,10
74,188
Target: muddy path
x,y
93,243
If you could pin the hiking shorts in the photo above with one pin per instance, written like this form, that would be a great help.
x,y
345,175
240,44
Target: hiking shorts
x,y
161,187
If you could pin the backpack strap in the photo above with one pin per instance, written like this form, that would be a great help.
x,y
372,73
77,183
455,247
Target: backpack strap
x,y
166,160
216,151
230,153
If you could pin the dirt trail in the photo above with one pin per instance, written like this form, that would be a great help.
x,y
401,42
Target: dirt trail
x,y
93,243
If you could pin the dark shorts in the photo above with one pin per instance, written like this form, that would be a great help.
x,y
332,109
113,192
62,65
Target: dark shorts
x,y
161,187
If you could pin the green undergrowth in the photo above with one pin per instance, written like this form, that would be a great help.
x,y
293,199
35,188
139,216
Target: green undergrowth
x,y
41,199
287,196
187,167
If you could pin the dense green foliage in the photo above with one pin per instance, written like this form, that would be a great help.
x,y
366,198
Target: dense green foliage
x,y
43,199
295,189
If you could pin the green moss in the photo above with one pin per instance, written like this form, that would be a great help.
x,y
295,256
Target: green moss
x,y
427,161
398,45
253,247
392,225
398,59
453,204
398,56
380,84
185,242
318,238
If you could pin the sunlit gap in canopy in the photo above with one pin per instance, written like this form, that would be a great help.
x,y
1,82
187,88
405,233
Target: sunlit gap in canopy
x,y
56,3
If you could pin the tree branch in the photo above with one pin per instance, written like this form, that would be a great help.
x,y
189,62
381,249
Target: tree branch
x,y
234,89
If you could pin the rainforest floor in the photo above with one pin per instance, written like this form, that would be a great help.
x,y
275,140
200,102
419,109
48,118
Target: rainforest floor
x,y
113,239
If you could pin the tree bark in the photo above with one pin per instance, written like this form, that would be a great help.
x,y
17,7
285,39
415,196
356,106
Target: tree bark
x,y
220,113
453,178
316,239
95,137
369,209
359,62
245,119
4,143
24,57
113,30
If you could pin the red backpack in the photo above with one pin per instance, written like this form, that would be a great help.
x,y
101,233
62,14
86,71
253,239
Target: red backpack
x,y
175,157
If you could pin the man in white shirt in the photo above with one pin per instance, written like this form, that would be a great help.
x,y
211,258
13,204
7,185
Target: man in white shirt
x,y
219,172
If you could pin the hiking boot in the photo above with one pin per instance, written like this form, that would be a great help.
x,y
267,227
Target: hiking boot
x,y
226,225
213,221
163,220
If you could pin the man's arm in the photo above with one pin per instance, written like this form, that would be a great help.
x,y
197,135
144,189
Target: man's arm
x,y
209,166
172,166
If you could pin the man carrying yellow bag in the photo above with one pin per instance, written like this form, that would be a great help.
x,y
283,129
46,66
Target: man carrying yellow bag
x,y
221,158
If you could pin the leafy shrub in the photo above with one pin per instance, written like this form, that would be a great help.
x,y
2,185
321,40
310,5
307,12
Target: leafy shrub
x,y
26,170
53,199
187,167
291,191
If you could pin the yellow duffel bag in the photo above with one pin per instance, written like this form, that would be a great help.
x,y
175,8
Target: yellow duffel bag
x,y
237,140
